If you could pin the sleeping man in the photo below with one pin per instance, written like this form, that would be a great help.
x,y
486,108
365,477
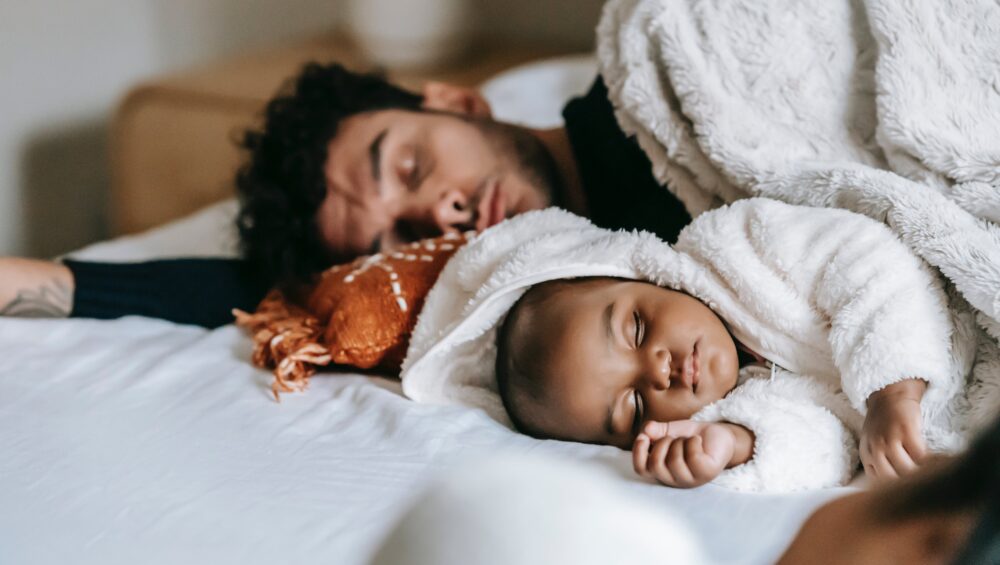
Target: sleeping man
x,y
345,163
760,352
374,166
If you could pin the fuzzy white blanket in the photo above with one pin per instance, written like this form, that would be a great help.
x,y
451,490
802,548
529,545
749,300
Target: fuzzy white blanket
x,y
890,108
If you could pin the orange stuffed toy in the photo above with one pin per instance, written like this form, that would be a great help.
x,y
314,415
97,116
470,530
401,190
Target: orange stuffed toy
x,y
359,314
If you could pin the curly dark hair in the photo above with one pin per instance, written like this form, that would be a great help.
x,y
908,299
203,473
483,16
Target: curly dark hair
x,y
282,185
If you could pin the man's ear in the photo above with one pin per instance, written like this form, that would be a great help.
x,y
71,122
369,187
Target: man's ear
x,y
457,99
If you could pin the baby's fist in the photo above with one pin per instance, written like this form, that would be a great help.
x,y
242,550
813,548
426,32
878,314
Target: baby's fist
x,y
683,453
892,441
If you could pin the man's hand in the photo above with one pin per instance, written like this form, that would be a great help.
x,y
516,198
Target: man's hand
x,y
31,288
687,454
892,441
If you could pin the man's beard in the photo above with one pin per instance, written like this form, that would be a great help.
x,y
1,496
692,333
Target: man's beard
x,y
527,155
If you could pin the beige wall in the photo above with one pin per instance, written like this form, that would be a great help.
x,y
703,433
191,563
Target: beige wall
x,y
65,63
570,21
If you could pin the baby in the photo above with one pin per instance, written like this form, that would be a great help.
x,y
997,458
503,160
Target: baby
x,y
627,363
770,348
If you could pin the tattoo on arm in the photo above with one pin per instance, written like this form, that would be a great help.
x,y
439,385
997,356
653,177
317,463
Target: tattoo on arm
x,y
52,300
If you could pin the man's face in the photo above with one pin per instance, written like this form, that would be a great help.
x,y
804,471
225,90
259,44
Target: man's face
x,y
395,176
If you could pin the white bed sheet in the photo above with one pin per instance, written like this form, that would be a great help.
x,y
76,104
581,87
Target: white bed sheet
x,y
140,441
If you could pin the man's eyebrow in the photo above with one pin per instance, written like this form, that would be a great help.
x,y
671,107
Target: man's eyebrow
x,y
375,154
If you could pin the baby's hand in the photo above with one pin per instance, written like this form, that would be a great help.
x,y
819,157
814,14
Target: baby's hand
x,y
892,442
686,454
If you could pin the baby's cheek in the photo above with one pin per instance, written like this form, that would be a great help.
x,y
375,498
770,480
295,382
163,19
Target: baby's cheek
x,y
725,370
676,409
692,409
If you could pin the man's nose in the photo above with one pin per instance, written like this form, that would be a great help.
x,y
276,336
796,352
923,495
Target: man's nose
x,y
452,211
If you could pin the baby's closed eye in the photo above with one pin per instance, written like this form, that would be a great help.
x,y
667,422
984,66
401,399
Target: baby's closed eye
x,y
637,412
639,328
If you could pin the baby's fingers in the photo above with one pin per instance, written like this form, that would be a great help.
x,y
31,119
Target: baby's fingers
x,y
916,448
676,428
656,430
640,454
864,452
676,461
702,465
900,460
879,466
657,463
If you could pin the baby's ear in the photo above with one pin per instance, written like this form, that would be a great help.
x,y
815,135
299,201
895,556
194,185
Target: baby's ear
x,y
456,99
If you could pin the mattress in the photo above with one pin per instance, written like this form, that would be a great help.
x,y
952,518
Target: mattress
x,y
138,440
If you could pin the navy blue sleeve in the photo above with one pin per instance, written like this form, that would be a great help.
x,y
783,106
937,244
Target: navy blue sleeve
x,y
617,177
201,292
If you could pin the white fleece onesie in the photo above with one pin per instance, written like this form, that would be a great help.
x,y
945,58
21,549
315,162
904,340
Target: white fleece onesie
x,y
831,297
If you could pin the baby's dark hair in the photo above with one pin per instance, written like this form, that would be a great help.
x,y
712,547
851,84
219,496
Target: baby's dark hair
x,y
520,362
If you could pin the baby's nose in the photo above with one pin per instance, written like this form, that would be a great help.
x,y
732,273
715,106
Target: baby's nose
x,y
660,371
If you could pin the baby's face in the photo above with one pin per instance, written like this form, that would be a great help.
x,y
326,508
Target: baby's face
x,y
623,353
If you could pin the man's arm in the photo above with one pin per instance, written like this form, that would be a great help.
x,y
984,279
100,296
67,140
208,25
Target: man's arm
x,y
187,291
31,288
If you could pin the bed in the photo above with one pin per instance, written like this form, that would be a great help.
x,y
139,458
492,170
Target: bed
x,y
138,440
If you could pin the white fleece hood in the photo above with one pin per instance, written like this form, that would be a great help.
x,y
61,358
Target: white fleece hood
x,y
452,352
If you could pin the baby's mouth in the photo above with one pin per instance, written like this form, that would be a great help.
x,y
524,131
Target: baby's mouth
x,y
695,367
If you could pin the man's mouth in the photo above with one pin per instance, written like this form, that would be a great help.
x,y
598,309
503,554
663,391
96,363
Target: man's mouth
x,y
491,209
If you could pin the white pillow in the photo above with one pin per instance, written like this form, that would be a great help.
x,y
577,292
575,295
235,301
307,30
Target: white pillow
x,y
534,94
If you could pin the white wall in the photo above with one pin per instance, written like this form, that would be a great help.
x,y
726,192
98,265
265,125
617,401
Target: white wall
x,y
63,66
65,63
